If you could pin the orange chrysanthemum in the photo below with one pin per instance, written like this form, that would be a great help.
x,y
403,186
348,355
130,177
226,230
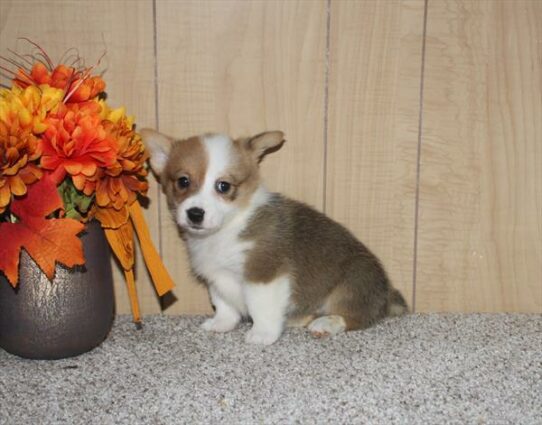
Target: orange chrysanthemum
x,y
78,86
120,183
18,147
76,143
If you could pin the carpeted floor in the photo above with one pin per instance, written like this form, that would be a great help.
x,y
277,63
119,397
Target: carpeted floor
x,y
426,369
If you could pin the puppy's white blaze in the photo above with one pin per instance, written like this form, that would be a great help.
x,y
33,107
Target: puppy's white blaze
x,y
217,210
267,305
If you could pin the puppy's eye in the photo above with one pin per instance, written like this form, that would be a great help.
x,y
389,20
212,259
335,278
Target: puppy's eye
x,y
223,187
183,182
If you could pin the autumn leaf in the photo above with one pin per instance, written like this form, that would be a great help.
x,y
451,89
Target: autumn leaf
x,y
47,240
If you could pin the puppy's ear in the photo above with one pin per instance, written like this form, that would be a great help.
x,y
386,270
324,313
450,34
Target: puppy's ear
x,y
158,146
265,143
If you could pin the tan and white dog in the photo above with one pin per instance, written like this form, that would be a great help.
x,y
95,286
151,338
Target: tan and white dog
x,y
260,254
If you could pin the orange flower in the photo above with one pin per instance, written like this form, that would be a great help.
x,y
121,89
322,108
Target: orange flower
x,y
85,89
120,183
18,147
38,75
76,143
78,85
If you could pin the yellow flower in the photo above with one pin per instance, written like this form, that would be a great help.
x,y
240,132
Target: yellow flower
x,y
115,115
22,117
28,107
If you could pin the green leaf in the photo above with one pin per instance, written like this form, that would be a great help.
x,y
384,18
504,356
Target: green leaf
x,y
76,203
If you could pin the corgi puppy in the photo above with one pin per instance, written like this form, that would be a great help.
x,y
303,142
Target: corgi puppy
x,y
262,255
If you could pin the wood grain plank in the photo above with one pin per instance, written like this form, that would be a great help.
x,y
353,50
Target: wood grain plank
x,y
125,30
480,223
242,67
374,95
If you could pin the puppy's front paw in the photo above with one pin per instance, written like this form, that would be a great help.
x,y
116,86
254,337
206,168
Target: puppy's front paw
x,y
261,337
216,325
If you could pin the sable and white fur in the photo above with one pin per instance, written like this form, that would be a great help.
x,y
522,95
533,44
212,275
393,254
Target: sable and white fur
x,y
260,254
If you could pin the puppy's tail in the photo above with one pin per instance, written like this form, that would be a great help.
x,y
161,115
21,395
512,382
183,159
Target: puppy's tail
x,y
397,305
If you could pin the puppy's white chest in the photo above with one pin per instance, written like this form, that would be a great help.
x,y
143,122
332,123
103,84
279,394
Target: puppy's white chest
x,y
220,260
219,255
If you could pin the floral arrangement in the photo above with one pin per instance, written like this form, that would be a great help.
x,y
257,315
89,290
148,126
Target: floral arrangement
x,y
66,158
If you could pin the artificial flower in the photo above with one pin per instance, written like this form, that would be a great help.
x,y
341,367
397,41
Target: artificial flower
x,y
115,115
120,183
76,143
18,148
77,85
22,117
27,108
62,146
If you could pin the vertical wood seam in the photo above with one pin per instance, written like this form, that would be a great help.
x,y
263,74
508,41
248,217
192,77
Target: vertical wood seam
x,y
161,300
326,101
418,162
157,119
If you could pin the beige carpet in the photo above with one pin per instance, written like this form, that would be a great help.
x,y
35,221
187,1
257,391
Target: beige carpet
x,y
419,369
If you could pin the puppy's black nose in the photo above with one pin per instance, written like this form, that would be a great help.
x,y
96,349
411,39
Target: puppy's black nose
x,y
195,215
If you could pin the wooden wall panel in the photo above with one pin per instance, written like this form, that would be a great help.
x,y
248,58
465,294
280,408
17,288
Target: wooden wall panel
x,y
374,96
480,222
124,29
241,67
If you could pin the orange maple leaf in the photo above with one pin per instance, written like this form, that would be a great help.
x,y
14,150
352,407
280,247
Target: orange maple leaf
x,y
47,241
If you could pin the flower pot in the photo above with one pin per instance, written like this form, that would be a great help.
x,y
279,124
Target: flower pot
x,y
68,316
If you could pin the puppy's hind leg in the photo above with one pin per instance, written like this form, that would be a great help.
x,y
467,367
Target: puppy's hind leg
x,y
327,325
351,306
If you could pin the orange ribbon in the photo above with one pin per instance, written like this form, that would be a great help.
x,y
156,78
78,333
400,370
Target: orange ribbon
x,y
121,241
